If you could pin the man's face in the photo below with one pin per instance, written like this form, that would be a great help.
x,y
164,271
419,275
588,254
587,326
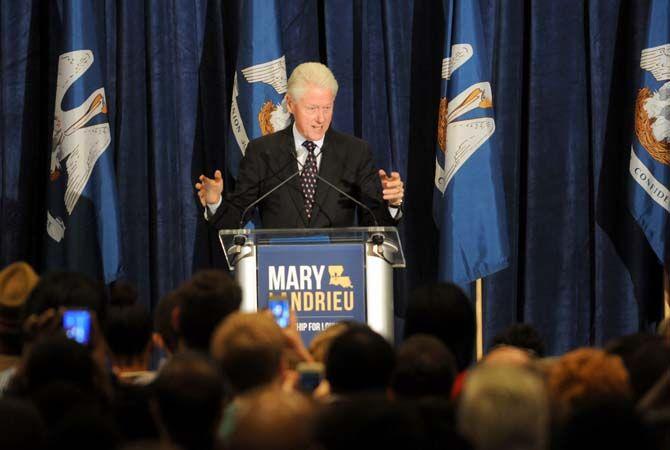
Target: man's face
x,y
313,112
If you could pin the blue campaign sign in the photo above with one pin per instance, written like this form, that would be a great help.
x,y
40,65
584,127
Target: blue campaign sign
x,y
323,284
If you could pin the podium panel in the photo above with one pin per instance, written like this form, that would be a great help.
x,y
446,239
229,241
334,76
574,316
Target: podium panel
x,y
325,275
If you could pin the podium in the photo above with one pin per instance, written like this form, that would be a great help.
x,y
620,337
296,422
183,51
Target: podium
x,y
327,274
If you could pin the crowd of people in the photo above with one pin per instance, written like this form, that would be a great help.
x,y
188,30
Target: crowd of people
x,y
200,374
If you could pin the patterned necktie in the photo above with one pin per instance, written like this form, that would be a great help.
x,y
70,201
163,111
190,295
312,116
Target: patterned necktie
x,y
308,178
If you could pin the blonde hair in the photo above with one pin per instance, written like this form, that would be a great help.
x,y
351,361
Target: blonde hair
x,y
310,73
242,330
509,402
249,349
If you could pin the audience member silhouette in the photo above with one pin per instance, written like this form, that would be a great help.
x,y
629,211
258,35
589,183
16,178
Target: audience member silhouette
x,y
204,301
444,311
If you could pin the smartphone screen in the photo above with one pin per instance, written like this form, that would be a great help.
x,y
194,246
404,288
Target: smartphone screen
x,y
280,311
77,325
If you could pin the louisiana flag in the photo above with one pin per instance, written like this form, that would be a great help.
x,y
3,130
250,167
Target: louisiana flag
x,y
649,167
258,107
468,201
82,231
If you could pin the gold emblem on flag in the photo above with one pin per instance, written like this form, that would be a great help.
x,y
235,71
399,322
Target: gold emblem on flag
x,y
442,124
659,150
273,117
476,98
264,116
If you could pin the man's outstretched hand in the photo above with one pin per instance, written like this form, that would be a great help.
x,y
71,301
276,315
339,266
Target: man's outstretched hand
x,y
210,189
392,187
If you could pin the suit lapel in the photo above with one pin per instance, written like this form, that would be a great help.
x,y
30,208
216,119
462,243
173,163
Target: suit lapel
x,y
288,152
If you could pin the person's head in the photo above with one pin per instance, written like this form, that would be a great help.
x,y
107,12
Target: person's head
x,y
165,335
249,349
59,375
443,310
68,290
59,359
508,355
319,346
504,407
204,301
21,427
273,419
359,360
17,280
583,377
187,400
83,429
57,292
424,368
128,330
610,426
523,336
646,357
369,422
310,98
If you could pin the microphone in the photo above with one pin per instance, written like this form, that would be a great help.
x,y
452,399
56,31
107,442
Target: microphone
x,y
328,183
377,239
357,202
264,196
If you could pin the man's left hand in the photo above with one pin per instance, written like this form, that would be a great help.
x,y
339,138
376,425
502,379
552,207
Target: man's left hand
x,y
392,187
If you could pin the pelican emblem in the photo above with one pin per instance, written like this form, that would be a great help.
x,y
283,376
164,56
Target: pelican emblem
x,y
271,116
75,144
652,107
459,139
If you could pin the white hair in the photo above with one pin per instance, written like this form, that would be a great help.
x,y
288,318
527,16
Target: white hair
x,y
504,407
310,73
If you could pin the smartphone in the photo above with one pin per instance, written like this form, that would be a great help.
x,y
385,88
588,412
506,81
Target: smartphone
x,y
309,376
77,325
280,311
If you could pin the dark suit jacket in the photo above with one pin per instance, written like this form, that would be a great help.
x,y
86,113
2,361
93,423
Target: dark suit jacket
x,y
345,162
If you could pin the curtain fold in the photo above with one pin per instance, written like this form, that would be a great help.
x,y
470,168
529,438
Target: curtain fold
x,y
562,78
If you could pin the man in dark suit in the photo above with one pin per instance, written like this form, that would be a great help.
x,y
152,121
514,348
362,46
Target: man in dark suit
x,y
311,155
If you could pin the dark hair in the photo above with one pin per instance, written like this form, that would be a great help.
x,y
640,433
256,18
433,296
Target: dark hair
x,y
85,428
424,368
189,394
128,325
57,398
163,319
359,360
57,358
369,422
607,425
59,375
522,336
443,310
205,300
646,357
67,289
21,427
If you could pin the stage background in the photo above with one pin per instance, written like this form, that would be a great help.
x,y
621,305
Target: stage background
x,y
581,271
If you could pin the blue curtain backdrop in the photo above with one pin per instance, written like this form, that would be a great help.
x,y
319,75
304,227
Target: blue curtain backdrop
x,y
563,79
